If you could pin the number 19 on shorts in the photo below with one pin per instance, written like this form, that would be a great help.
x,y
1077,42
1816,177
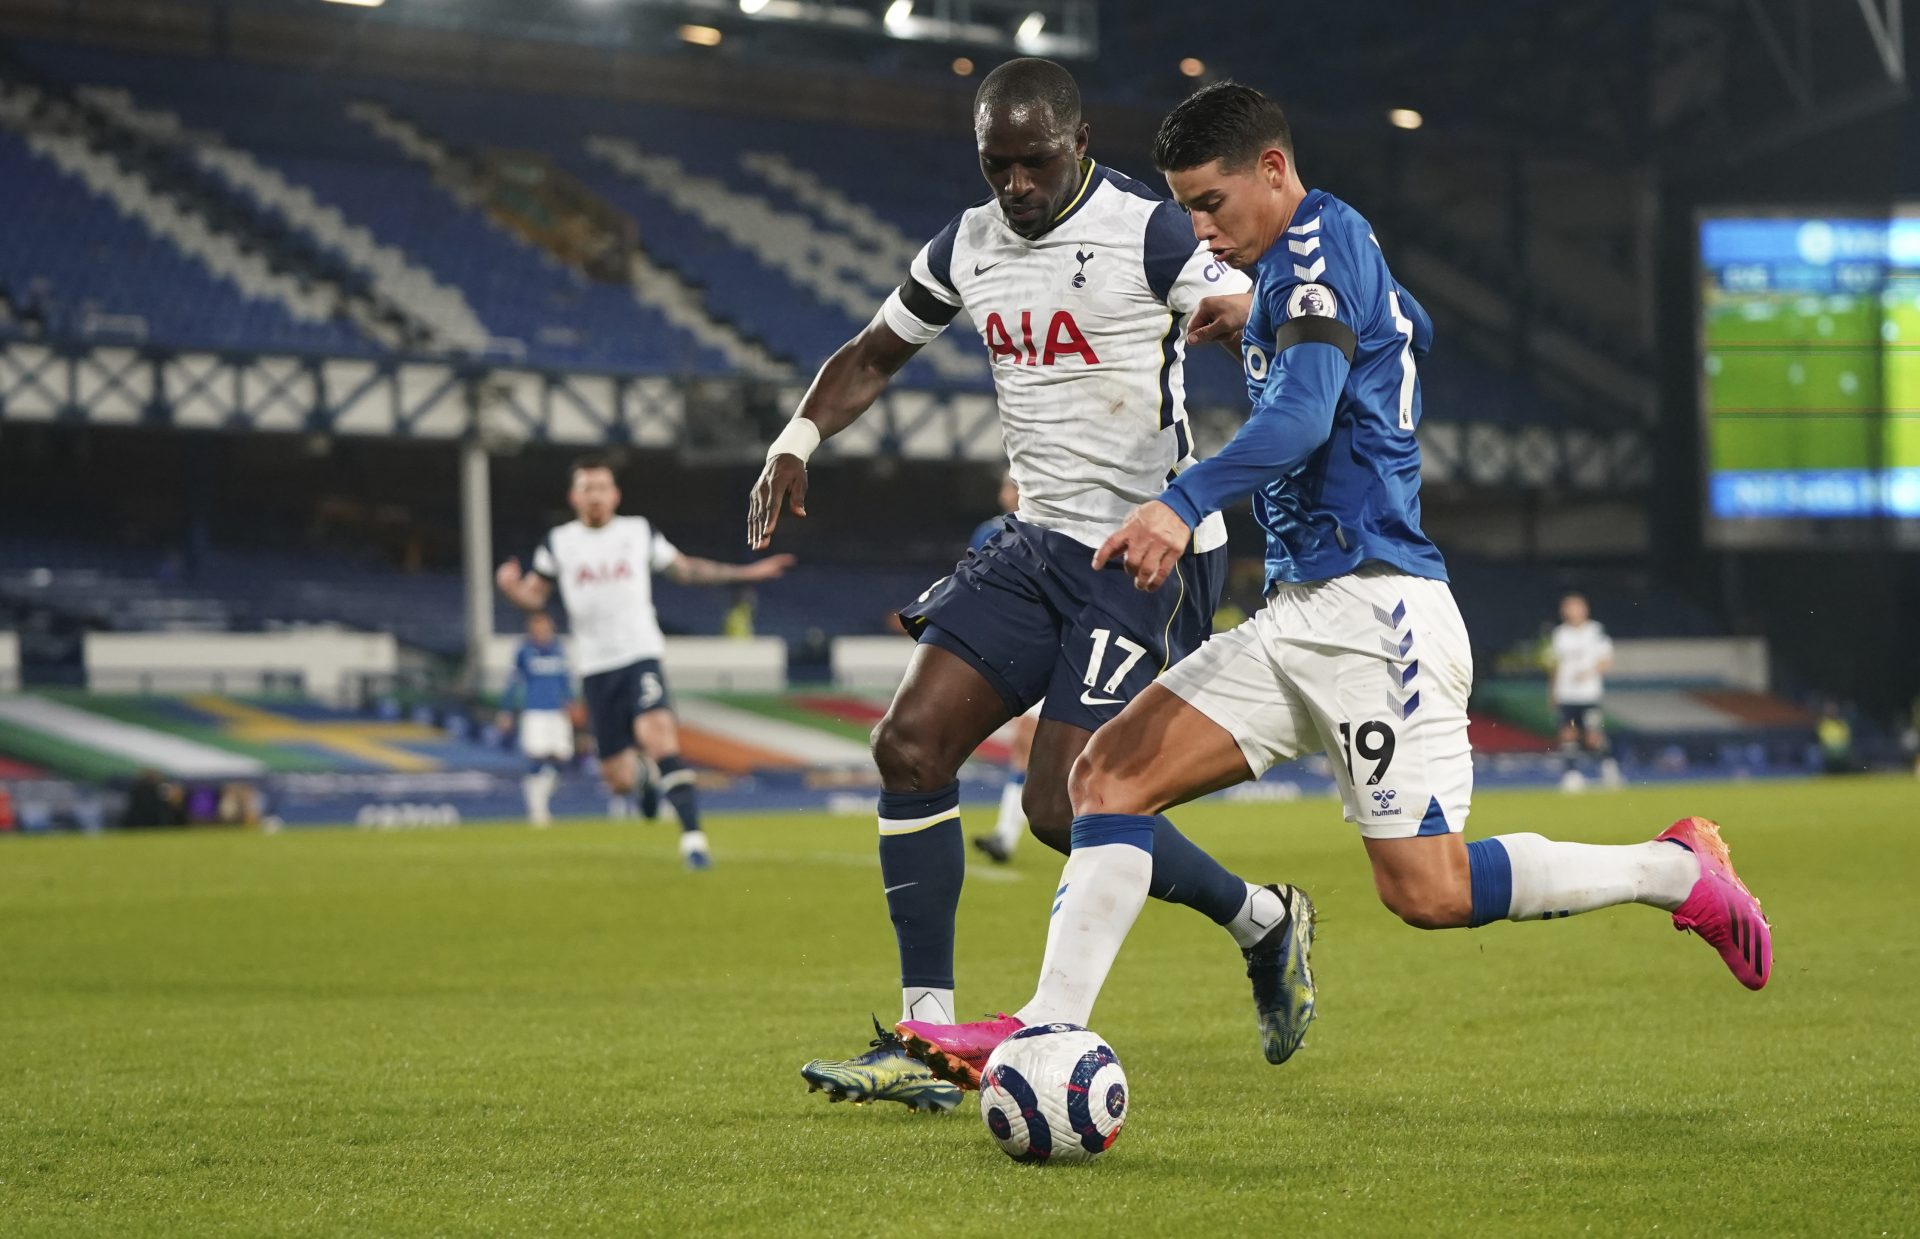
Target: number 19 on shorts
x,y
1372,741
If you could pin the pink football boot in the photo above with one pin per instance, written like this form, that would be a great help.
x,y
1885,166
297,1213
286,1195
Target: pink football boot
x,y
1720,908
956,1052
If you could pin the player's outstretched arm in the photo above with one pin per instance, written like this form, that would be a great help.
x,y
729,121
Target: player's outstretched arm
x,y
846,387
692,570
527,590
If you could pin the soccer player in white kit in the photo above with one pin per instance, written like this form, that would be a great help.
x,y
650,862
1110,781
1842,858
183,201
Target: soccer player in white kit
x,y
1085,287
1580,655
604,564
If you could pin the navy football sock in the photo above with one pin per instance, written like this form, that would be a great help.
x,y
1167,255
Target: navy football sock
x,y
923,860
676,783
1184,874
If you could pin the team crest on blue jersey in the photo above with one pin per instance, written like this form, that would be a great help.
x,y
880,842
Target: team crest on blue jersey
x,y
1316,300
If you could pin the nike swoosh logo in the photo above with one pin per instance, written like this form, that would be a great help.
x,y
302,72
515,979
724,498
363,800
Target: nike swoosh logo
x,y
1087,700
980,270
904,885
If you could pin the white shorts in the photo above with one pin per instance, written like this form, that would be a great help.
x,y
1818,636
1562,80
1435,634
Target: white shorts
x,y
546,734
1372,668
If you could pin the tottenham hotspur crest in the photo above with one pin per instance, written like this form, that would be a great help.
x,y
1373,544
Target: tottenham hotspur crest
x,y
1080,276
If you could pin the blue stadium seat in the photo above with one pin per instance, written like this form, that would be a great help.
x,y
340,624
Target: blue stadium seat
x,y
296,122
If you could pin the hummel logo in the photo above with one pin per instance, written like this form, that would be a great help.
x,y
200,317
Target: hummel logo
x,y
980,270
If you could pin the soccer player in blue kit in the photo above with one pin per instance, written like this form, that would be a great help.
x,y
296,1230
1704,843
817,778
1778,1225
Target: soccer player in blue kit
x,y
541,692
1359,653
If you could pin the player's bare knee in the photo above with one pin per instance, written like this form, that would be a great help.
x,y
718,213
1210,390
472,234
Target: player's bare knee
x,y
1049,816
1098,785
906,756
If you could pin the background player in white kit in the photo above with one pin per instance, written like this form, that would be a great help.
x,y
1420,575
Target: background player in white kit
x,y
541,691
604,564
1579,656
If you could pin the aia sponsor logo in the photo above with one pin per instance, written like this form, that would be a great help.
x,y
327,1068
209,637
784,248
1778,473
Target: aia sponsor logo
x,y
1061,339
603,574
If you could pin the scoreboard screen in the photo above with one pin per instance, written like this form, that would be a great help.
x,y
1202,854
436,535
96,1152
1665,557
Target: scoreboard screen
x,y
1810,374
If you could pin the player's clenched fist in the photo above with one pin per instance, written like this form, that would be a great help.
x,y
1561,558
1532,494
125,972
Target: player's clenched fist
x,y
783,483
1149,543
507,576
1220,318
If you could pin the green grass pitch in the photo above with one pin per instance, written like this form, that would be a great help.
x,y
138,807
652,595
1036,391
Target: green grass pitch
x,y
502,1031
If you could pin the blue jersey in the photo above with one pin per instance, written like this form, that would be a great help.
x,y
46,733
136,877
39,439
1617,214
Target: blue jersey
x,y
1328,452
539,678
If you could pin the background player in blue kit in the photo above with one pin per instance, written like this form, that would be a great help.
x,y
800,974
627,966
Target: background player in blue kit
x,y
541,692
1085,287
1359,653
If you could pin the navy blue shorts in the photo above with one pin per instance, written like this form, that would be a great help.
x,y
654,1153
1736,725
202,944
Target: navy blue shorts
x,y
1586,720
616,698
1030,614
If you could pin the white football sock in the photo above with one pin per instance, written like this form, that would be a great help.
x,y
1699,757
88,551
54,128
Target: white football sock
x,y
538,789
1102,889
1553,879
933,1006
1262,911
1012,822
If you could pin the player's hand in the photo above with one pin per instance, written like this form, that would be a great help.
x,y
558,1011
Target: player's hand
x,y
508,577
782,484
768,569
504,723
1219,318
1149,543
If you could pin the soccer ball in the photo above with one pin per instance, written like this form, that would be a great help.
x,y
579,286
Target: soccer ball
x,y
1053,1093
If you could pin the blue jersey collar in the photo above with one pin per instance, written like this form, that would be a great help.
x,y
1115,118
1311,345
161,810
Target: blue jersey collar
x,y
1278,253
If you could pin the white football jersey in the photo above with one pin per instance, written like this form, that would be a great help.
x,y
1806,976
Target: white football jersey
x,y
1086,328
1578,652
605,577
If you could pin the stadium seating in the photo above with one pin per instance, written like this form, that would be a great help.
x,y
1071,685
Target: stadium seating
x,y
80,250
760,240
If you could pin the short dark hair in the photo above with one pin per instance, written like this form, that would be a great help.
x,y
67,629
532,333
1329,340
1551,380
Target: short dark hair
x,y
1030,80
1224,121
592,460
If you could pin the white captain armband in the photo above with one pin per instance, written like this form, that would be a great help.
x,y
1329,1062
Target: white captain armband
x,y
915,314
